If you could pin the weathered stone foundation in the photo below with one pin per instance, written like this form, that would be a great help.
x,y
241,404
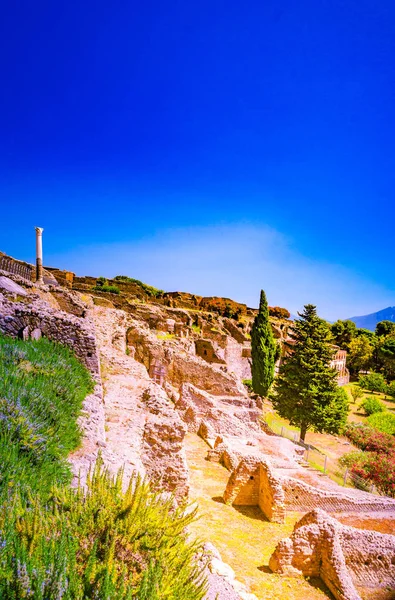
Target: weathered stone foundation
x,y
345,558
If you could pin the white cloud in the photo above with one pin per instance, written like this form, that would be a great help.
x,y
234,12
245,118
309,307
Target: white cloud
x,y
235,261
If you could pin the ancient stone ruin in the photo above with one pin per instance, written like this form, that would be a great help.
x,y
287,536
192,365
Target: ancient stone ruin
x,y
255,482
174,364
349,560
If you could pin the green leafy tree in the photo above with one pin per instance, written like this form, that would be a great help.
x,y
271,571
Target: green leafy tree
x,y
306,390
360,354
365,332
356,393
374,382
264,350
386,353
385,328
343,333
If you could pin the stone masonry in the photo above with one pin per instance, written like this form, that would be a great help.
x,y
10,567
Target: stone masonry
x,y
348,560
36,318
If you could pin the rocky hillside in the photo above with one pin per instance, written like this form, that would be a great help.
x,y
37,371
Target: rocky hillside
x,y
168,365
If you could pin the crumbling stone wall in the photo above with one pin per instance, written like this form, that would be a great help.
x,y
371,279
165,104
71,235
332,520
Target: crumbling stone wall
x,y
300,496
212,416
70,302
271,496
252,483
23,270
210,352
64,278
162,452
22,320
238,359
345,558
278,493
181,365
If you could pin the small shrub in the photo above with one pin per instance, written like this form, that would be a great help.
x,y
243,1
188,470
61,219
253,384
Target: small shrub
x,y
377,463
111,289
98,543
371,406
390,390
165,336
101,281
42,387
377,469
279,313
369,439
248,384
356,393
356,457
384,422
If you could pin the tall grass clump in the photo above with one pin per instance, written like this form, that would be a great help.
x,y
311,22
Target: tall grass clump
x,y
58,543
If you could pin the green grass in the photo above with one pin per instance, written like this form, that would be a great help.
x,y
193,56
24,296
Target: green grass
x,y
110,289
165,336
58,543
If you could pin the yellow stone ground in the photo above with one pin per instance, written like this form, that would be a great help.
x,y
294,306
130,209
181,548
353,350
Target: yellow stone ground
x,y
243,536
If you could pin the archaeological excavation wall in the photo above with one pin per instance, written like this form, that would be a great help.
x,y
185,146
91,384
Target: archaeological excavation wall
x,y
19,319
347,559
253,484
300,497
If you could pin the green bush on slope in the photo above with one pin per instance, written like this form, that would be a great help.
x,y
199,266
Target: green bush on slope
x,y
42,387
59,543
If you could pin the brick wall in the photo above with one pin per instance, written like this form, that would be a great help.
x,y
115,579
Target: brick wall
x,y
249,493
301,497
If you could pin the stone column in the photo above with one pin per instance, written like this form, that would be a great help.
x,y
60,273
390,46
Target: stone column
x,y
39,254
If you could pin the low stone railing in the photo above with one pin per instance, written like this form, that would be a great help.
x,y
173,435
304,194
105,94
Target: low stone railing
x,y
17,267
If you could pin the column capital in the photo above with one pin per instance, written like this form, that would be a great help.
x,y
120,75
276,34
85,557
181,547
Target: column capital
x,y
39,230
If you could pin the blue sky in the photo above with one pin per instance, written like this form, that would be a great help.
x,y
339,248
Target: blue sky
x,y
217,147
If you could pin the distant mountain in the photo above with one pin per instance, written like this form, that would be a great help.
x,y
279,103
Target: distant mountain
x,y
370,321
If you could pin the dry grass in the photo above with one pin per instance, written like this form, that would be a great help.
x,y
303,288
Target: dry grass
x,y
242,535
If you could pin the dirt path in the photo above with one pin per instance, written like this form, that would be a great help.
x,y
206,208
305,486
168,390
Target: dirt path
x,y
243,536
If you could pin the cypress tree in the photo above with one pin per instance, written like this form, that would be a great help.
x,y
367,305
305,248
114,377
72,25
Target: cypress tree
x,y
306,390
263,349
